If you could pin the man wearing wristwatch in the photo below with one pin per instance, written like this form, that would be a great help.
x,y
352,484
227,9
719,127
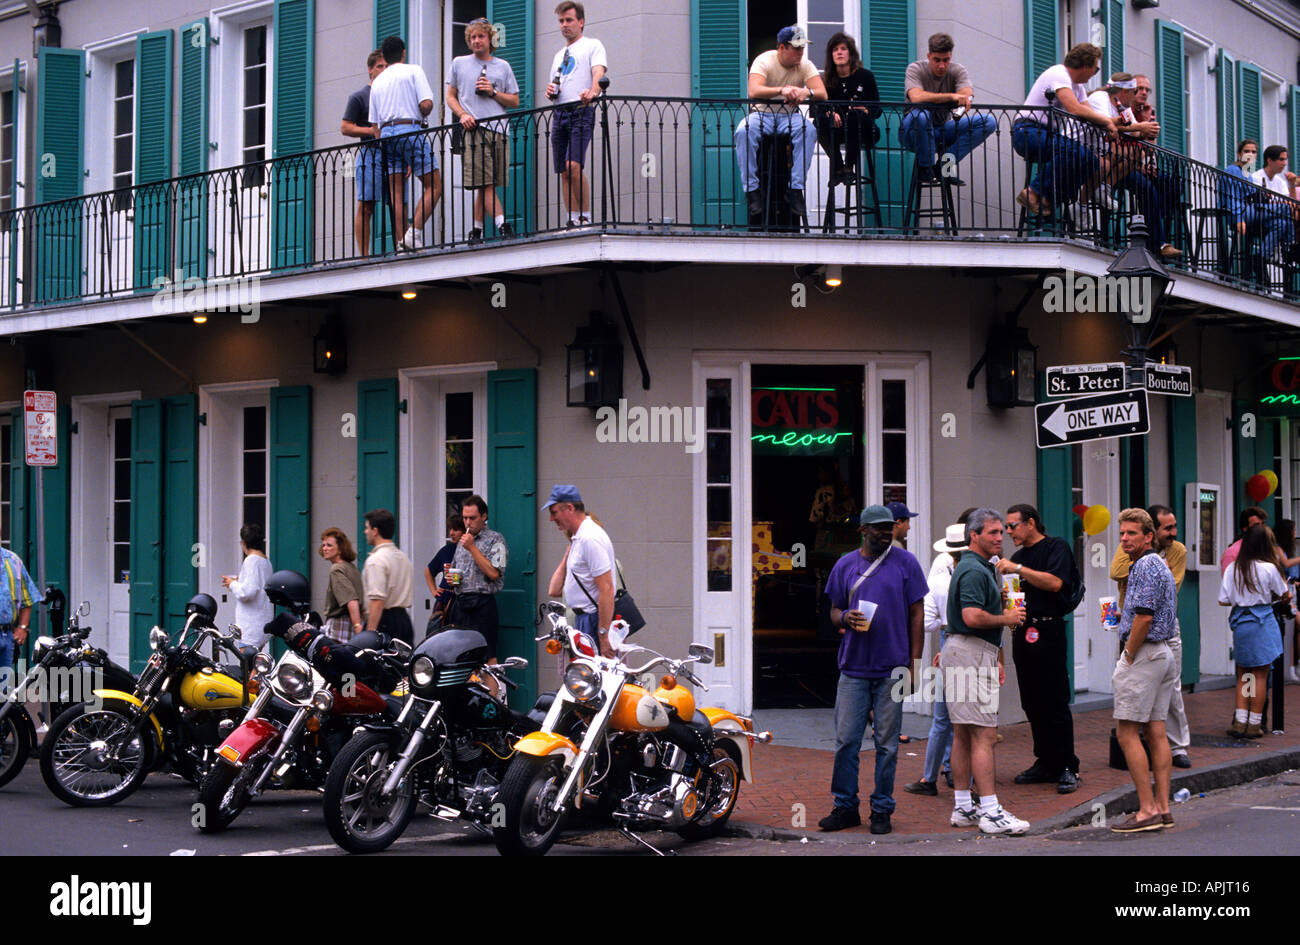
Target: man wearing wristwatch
x,y
18,592
1044,566
1146,672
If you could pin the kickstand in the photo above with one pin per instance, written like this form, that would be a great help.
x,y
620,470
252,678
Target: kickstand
x,y
645,843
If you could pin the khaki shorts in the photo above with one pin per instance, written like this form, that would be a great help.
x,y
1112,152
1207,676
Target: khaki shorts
x,y
969,669
484,161
1144,689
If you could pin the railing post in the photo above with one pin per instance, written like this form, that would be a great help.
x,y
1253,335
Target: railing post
x,y
606,167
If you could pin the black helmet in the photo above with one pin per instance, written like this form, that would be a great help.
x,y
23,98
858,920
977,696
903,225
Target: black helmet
x,y
289,589
202,604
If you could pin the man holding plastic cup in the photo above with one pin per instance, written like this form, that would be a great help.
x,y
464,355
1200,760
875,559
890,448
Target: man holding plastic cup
x,y
877,597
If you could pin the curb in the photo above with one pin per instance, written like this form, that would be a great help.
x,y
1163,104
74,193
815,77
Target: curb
x,y
1115,801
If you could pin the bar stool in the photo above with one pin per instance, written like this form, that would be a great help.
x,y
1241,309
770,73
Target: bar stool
x,y
775,159
1224,225
855,207
915,212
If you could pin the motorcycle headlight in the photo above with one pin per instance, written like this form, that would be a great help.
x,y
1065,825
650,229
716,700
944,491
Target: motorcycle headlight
x,y
293,680
262,664
422,671
158,639
43,645
322,701
582,681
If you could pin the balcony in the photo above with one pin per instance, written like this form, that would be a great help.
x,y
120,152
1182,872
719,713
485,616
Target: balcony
x,y
659,168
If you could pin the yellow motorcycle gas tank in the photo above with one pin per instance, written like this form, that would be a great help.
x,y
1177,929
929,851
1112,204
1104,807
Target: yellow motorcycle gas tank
x,y
680,699
637,711
208,689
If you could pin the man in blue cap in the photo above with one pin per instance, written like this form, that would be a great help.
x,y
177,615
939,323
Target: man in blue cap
x,y
585,577
877,596
902,522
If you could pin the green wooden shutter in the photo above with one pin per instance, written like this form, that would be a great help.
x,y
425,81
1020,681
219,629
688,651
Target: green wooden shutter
x,y
1225,81
515,19
146,526
153,157
1293,121
192,249
180,504
512,486
1170,101
290,541
1250,107
718,70
19,513
390,20
1055,481
56,265
890,26
293,178
1041,40
1182,470
376,453
1112,18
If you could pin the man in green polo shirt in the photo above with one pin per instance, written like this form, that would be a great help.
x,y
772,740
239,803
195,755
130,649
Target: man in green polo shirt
x,y
972,675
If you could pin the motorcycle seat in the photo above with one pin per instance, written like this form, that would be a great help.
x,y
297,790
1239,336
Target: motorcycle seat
x,y
699,722
543,705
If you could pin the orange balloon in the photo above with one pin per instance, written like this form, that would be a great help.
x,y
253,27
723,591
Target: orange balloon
x,y
1272,481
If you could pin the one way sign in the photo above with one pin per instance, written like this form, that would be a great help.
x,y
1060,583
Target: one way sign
x,y
1123,413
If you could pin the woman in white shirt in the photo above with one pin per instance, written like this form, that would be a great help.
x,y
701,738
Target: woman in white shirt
x,y
253,609
1250,586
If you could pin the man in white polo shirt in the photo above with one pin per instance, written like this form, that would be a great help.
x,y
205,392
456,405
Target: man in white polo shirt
x,y
400,101
1278,215
585,577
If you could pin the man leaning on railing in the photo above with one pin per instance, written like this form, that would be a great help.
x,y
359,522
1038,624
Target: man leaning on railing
x,y
1277,216
780,74
946,88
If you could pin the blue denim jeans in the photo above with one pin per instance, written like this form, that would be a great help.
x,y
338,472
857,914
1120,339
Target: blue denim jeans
x,y
803,136
1064,163
961,135
938,744
854,698
1277,227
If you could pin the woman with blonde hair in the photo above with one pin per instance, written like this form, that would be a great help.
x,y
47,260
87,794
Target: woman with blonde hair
x,y
345,591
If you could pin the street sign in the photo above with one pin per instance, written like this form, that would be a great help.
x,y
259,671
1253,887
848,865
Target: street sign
x,y
41,428
1172,379
1071,380
1062,422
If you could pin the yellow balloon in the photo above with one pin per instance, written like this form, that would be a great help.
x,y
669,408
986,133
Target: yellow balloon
x,y
1096,519
1272,480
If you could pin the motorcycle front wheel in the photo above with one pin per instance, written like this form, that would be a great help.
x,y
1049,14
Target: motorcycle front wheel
x,y
711,822
76,763
224,793
14,748
359,817
527,791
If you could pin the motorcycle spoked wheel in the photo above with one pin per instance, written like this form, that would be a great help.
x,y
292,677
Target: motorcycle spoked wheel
x,y
224,793
530,785
710,823
358,818
73,763
14,747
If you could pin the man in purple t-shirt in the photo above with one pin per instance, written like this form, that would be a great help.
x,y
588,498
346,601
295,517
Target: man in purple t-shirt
x,y
877,596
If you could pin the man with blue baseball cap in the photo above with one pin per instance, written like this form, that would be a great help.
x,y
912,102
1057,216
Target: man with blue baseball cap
x,y
902,522
585,577
877,596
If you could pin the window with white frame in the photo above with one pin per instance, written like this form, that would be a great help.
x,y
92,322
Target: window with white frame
x,y
893,440
121,485
256,468
6,497
1272,124
253,110
123,131
458,449
1198,91
8,145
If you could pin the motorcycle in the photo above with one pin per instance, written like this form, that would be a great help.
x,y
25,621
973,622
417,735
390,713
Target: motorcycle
x,y
65,668
447,750
645,760
306,709
99,753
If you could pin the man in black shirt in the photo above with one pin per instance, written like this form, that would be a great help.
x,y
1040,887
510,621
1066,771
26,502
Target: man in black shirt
x,y
1044,566
368,165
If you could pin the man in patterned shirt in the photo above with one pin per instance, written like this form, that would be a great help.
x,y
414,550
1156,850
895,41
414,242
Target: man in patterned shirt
x,y
481,559
1146,673
18,592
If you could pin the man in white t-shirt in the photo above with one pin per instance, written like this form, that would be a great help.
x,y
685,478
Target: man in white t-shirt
x,y
400,101
576,72
1277,216
780,74
585,577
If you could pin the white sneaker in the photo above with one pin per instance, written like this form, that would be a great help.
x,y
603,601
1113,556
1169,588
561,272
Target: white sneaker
x,y
1107,199
968,817
413,239
1291,674
1003,821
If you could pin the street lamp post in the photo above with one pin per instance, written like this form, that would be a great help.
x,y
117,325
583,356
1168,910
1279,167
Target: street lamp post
x,y
1140,285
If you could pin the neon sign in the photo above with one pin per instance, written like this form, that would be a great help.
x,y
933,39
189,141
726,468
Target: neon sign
x,y
799,420
794,438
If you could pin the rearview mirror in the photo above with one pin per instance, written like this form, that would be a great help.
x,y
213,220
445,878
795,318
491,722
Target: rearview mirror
x,y
702,652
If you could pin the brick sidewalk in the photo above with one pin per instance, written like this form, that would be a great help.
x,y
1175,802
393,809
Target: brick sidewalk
x,y
791,776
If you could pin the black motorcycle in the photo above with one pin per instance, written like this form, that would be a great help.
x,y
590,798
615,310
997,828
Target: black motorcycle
x,y
66,672
447,750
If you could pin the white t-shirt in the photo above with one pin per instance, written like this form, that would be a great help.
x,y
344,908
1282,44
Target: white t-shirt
x,y
397,93
1267,578
253,609
591,554
1277,184
584,54
936,601
1055,79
